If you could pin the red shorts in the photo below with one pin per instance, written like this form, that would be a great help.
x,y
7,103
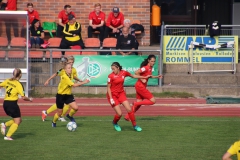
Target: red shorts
x,y
142,92
118,98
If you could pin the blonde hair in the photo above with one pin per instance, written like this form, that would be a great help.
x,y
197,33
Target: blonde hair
x,y
16,74
70,58
97,5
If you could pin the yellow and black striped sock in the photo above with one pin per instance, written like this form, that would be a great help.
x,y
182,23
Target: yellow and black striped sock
x,y
55,118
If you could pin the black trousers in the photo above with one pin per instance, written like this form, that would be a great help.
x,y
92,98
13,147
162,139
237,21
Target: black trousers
x,y
109,30
65,44
11,24
60,31
100,29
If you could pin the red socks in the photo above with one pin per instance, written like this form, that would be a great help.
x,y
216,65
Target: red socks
x,y
132,118
137,105
116,118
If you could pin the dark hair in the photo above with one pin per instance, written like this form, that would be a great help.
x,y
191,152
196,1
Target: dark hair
x,y
29,4
145,62
67,6
116,64
16,73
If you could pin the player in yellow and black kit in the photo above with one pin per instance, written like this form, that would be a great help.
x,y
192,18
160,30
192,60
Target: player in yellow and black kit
x,y
64,95
60,72
13,89
72,34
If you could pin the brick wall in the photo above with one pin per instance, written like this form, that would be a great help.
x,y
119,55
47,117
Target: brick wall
x,y
132,9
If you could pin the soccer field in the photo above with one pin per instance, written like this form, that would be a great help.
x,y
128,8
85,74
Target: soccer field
x,y
165,138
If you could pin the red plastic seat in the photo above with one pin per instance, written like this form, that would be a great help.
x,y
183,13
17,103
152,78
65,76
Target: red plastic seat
x,y
16,54
55,54
54,42
3,42
18,42
92,42
35,54
2,54
89,53
110,42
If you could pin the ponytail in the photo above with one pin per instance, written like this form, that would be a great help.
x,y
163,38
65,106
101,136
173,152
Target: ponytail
x,y
116,64
16,74
145,62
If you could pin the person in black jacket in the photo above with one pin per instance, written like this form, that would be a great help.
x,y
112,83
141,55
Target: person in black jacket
x,y
126,42
72,34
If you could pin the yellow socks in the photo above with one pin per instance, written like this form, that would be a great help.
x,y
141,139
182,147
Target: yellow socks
x,y
65,109
12,129
9,123
55,118
72,112
52,108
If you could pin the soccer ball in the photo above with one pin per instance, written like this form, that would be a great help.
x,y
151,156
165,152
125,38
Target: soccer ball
x,y
71,126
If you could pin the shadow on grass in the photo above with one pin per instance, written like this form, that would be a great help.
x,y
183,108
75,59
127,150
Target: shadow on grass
x,y
22,135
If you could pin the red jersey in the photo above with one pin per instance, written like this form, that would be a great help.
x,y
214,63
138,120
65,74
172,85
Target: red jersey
x,y
11,5
62,15
96,19
117,81
115,21
145,71
33,15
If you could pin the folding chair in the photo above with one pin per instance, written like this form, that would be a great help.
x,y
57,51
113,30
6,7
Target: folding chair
x,y
110,43
49,27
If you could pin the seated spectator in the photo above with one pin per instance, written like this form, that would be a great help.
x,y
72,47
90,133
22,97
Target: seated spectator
x,y
127,23
96,22
126,41
114,23
10,5
36,34
32,14
63,19
72,35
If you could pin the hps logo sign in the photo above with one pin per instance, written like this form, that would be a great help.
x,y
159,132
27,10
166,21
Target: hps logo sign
x,y
180,43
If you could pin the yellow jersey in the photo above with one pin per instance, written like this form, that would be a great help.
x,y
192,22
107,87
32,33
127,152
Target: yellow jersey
x,y
13,89
235,149
61,72
70,29
65,85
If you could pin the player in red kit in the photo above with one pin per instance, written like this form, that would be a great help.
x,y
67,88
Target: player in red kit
x,y
116,94
143,95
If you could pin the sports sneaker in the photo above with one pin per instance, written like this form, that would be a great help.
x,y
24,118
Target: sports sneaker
x,y
8,138
44,115
137,128
3,128
71,118
54,124
62,119
117,127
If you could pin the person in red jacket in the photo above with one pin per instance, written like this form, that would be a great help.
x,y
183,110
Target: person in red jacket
x,y
114,22
32,14
96,22
63,19
10,5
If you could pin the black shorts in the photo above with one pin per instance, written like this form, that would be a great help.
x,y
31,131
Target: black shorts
x,y
62,99
12,109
